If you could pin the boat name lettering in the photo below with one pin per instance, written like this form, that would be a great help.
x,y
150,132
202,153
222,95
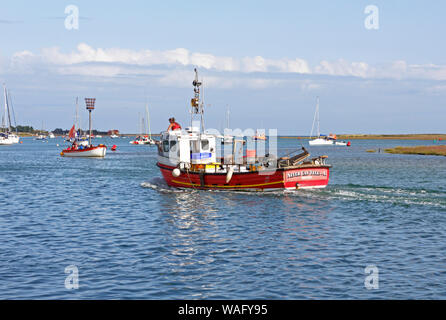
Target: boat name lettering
x,y
306,173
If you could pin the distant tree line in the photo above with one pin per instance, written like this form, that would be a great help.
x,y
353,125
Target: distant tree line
x,y
57,131
27,129
60,131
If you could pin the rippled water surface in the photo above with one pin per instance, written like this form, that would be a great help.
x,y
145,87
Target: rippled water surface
x,y
130,236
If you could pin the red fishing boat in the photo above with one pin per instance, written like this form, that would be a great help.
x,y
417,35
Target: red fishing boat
x,y
188,159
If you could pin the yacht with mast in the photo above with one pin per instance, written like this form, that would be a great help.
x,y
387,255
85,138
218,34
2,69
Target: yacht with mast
x,y
7,137
329,140
188,159
147,137
41,135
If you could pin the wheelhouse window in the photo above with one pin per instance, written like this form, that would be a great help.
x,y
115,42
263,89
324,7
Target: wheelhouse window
x,y
166,145
204,144
195,147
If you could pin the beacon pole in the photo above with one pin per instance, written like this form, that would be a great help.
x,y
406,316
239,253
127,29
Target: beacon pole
x,y
90,106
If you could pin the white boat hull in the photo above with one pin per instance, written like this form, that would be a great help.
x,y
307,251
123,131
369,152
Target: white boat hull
x,y
94,152
144,141
321,142
9,139
5,142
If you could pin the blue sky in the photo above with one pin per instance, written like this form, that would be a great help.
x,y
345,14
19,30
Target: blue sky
x,y
267,60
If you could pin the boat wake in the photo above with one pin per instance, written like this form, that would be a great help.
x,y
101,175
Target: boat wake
x,y
348,192
397,196
160,185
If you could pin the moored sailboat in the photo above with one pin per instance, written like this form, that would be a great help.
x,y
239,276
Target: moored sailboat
x,y
75,150
144,138
7,137
329,140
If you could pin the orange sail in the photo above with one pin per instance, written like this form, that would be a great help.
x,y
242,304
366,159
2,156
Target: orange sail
x,y
72,133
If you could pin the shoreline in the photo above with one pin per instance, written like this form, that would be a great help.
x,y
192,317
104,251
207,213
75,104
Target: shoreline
x,y
419,150
421,136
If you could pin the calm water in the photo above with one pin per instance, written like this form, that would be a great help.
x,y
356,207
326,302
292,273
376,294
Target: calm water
x,y
132,237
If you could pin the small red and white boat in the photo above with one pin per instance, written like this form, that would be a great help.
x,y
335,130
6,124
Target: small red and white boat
x,y
89,151
188,159
142,140
92,151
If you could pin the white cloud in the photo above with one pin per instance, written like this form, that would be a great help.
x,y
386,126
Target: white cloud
x,y
172,67
344,68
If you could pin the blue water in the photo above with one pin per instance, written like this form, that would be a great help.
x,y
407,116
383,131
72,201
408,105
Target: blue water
x,y
132,237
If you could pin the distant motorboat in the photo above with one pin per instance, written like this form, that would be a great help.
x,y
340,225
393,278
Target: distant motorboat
x,y
114,136
41,137
51,135
341,143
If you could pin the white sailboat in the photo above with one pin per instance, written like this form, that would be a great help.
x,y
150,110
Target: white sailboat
x,y
151,141
6,136
41,135
144,138
319,141
330,140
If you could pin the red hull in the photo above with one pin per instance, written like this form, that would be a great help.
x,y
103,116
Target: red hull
x,y
304,177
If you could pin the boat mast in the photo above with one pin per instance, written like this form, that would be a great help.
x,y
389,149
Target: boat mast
x,y
76,118
11,107
196,103
140,124
148,120
318,123
316,118
4,120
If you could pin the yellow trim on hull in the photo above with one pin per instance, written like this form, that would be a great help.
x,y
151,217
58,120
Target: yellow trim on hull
x,y
234,186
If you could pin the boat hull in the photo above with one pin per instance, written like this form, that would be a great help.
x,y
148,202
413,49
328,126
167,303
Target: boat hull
x,y
321,142
307,177
9,139
93,152
6,142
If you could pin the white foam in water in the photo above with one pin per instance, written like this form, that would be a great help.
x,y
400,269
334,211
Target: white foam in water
x,y
378,194
160,185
